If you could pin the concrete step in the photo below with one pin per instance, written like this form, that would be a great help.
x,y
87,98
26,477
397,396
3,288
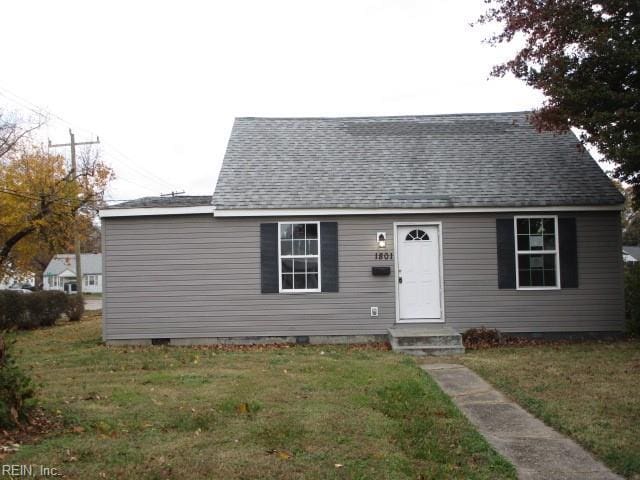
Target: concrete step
x,y
426,339
429,340
430,351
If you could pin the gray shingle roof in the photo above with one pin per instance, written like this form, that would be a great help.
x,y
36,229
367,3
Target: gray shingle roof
x,y
91,263
178,201
632,250
492,159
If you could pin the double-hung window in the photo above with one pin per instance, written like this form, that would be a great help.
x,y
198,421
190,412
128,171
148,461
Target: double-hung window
x,y
537,260
299,257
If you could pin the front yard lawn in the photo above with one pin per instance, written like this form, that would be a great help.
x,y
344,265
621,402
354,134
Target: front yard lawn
x,y
299,412
589,391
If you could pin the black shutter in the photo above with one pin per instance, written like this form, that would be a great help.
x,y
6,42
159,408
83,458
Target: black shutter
x,y
269,257
329,256
568,239
506,253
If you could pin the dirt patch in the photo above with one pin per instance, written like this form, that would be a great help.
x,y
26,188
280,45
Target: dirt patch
x,y
40,424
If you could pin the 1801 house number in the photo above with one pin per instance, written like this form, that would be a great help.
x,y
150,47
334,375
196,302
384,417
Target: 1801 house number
x,y
383,256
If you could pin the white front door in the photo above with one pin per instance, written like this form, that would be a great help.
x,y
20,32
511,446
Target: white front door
x,y
418,254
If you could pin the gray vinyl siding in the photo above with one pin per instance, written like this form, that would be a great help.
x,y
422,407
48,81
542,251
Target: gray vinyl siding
x,y
198,276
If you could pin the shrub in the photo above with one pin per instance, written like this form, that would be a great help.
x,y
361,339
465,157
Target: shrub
x,y
75,308
16,389
632,298
44,308
482,337
30,310
12,309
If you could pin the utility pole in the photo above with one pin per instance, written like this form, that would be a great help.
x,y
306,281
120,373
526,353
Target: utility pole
x,y
172,194
74,167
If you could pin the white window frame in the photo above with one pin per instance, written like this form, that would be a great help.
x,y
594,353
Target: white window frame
x,y
306,290
555,251
88,278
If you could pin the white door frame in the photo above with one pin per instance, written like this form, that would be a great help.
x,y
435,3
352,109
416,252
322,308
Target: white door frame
x,y
395,256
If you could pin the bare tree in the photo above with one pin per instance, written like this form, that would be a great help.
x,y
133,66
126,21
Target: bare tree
x,y
14,129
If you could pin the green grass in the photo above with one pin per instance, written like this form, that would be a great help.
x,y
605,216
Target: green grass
x,y
589,391
162,412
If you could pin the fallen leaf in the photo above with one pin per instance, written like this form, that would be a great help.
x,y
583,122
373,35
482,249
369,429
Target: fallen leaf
x,y
242,407
281,454
338,465
78,429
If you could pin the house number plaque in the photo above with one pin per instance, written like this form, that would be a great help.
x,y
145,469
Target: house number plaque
x,y
383,256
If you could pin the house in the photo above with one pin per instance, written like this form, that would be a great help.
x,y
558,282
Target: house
x,y
17,282
631,254
351,229
60,274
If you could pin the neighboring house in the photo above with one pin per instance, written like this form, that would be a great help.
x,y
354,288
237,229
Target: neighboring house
x,y
630,254
17,282
339,229
60,274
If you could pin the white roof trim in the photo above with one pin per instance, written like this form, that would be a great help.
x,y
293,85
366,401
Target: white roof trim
x,y
267,212
149,211
401,211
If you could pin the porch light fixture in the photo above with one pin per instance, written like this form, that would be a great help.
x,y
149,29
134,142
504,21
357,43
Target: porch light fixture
x,y
381,239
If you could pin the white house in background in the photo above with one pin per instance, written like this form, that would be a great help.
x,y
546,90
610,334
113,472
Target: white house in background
x,y
631,254
60,274
17,282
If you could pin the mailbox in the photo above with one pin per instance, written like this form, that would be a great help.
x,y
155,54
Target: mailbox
x,y
381,271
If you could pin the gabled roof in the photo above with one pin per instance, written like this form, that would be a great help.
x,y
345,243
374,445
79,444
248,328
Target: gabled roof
x,y
91,264
633,250
470,160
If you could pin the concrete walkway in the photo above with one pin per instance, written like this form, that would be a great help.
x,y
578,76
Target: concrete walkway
x,y
536,450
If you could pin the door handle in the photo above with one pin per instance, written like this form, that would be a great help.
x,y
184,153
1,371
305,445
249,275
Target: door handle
x,y
399,279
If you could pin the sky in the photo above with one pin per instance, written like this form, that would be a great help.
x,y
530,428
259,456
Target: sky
x,y
161,82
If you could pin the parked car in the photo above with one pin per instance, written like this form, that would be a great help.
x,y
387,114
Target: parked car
x,y
20,290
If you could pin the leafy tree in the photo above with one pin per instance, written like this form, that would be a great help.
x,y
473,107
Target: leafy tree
x,y
630,217
39,200
585,57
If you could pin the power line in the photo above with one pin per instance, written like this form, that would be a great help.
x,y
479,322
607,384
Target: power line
x,y
128,163
123,159
18,194
37,109
136,184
